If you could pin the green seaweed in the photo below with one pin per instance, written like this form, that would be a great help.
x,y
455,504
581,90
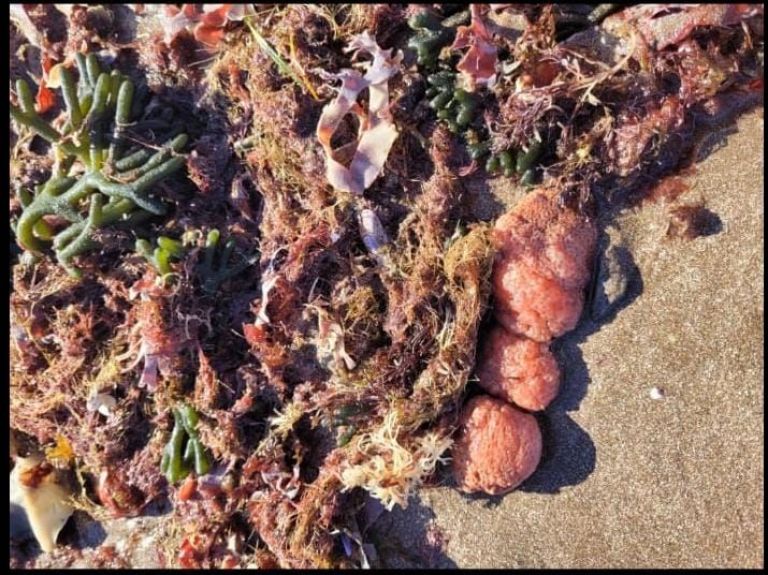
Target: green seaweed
x,y
522,163
114,190
180,457
432,34
213,276
452,104
161,256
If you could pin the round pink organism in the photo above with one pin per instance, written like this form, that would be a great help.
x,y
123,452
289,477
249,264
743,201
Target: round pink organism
x,y
544,262
556,240
498,447
531,304
518,370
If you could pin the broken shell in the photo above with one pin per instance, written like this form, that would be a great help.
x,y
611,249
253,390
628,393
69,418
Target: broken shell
x,y
371,230
38,504
101,402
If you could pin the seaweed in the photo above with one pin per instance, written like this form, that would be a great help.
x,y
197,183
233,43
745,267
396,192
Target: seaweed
x,y
453,104
214,275
180,457
114,186
160,257
432,34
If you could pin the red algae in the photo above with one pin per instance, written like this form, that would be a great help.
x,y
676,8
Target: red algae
x,y
498,447
518,370
667,190
544,264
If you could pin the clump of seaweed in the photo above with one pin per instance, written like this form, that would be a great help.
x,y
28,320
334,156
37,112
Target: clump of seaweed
x,y
214,275
457,101
453,104
520,163
432,34
113,185
180,456
167,248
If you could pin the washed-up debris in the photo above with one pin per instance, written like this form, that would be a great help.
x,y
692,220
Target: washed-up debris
x,y
377,133
615,276
205,22
184,452
39,501
479,62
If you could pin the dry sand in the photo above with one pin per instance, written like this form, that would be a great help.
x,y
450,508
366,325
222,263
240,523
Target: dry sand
x,y
627,480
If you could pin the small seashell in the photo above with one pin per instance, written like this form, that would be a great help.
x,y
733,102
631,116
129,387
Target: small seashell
x,y
101,402
657,393
371,230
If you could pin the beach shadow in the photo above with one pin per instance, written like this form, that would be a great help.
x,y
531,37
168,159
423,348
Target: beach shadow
x,y
569,454
82,532
488,501
409,539
710,142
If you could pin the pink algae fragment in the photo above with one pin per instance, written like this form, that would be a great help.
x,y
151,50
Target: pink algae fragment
x,y
377,131
665,25
479,63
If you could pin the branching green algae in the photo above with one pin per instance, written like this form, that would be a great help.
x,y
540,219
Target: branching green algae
x,y
213,276
180,456
114,189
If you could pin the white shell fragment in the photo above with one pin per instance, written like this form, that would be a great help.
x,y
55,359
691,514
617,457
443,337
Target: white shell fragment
x,y
101,402
371,230
41,507
657,393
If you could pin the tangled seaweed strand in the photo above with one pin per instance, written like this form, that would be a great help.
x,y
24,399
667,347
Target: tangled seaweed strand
x,y
113,188
213,278
173,464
